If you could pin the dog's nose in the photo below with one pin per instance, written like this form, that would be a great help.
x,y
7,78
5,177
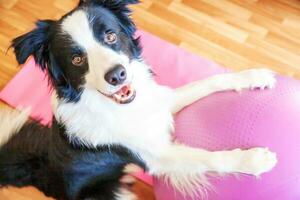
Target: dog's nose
x,y
116,75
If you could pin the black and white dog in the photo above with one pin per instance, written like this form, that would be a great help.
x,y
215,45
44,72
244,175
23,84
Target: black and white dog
x,y
109,113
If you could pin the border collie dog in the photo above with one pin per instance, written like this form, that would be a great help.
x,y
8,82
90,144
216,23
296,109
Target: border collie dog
x,y
110,113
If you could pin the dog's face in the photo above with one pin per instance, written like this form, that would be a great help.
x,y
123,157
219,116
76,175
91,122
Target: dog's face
x,y
90,47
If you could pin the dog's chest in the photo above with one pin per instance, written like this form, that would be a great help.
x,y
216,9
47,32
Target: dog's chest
x,y
145,123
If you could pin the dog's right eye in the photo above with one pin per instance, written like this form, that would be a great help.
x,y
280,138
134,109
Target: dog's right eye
x,y
110,38
78,60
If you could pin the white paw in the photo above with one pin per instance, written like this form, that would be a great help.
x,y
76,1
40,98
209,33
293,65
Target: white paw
x,y
256,161
254,78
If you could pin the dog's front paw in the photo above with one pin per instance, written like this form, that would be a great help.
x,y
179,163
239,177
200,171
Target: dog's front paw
x,y
254,78
257,161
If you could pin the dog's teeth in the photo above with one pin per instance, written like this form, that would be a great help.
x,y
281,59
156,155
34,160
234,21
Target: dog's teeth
x,y
117,97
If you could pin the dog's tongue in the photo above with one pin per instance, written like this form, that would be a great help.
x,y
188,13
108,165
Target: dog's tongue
x,y
123,94
124,90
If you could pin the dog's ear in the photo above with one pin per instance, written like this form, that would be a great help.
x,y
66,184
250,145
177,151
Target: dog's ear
x,y
34,43
119,8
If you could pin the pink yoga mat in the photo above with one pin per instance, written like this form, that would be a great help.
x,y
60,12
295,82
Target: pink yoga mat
x,y
30,89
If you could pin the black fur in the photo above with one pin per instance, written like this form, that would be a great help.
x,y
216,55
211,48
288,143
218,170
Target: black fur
x,y
45,157
34,43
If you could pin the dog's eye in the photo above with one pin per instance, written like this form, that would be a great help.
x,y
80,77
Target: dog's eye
x,y
110,38
78,60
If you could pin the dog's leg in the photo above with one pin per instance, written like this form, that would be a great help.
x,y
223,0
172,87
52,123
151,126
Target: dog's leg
x,y
253,78
185,166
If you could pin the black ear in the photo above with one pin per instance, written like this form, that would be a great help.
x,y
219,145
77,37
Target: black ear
x,y
34,43
119,8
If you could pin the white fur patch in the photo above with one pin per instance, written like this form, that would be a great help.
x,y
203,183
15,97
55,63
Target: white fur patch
x,y
11,121
131,168
98,120
124,194
194,185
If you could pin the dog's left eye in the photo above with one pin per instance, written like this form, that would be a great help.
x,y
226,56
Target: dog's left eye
x,y
110,38
78,60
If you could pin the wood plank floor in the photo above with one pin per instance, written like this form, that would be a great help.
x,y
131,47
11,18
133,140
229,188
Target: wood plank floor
x,y
238,34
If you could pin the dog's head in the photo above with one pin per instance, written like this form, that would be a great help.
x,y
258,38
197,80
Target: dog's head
x,y
90,47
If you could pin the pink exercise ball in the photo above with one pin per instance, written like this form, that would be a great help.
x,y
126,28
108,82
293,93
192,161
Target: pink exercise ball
x,y
228,120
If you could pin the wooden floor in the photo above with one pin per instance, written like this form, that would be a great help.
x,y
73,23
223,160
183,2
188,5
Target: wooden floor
x,y
238,34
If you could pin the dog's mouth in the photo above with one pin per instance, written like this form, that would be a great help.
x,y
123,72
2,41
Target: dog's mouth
x,y
126,94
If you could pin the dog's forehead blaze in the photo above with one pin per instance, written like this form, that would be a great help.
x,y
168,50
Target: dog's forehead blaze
x,y
78,27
